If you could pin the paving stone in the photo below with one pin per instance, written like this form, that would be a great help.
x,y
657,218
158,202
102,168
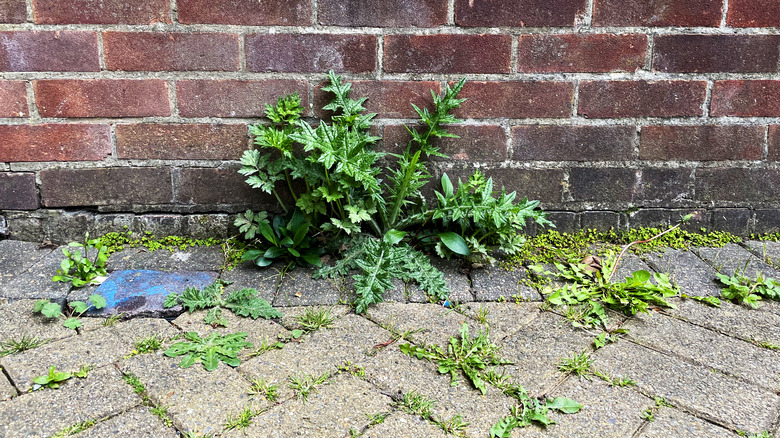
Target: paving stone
x,y
672,423
437,323
733,258
697,389
197,400
36,282
18,320
767,251
247,275
299,289
503,319
139,328
291,314
495,283
137,423
331,411
16,257
689,272
6,389
197,258
403,425
43,413
458,283
629,264
707,348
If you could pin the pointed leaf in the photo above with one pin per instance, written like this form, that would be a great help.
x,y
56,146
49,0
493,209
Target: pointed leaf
x,y
454,242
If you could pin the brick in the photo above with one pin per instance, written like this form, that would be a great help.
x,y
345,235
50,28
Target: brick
x,y
106,186
217,186
774,143
664,186
716,53
605,99
447,53
732,220
235,98
588,53
54,142
602,184
151,141
759,98
158,51
476,142
13,99
18,191
246,12
13,11
572,143
701,143
519,13
767,221
540,184
102,11
753,13
102,98
737,185
516,100
314,53
662,13
62,50
383,13
389,99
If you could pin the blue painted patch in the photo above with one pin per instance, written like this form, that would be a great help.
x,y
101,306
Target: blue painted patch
x,y
143,291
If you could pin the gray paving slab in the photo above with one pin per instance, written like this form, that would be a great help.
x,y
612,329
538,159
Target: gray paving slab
x,y
767,251
689,272
6,389
732,258
16,257
403,425
198,258
497,283
43,413
629,264
435,323
18,320
291,321
707,393
248,275
503,319
457,281
132,330
36,282
137,423
673,423
299,289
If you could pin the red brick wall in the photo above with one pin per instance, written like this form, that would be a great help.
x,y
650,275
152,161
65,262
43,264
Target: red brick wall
x,y
597,106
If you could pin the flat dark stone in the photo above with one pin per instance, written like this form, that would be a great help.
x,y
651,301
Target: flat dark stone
x,y
493,284
768,251
16,257
200,258
299,289
36,282
732,258
247,275
689,272
629,264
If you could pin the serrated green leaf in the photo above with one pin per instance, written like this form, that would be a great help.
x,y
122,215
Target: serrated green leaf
x,y
171,300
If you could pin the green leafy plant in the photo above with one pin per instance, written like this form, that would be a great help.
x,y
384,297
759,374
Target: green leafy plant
x,y
710,301
578,364
454,426
240,421
53,379
24,343
305,384
77,268
287,239
161,411
603,339
75,428
748,291
244,302
260,387
529,410
209,350
314,319
76,309
415,403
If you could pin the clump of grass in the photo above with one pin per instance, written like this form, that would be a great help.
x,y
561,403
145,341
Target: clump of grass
x,y
260,387
315,319
305,384
578,364
24,343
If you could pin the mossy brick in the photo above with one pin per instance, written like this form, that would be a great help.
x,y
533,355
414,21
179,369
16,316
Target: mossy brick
x,y
19,322
616,99
62,50
148,141
18,191
650,217
716,53
246,12
36,283
403,425
572,143
737,184
502,319
746,98
476,142
432,324
602,220
494,283
523,13
137,422
13,11
450,53
692,275
102,97
589,53
389,99
767,220
106,186
201,185
55,142
679,424
235,97
701,143
602,184
301,53
657,13
499,99
13,99
753,13
565,221
156,225
382,13
104,12
171,51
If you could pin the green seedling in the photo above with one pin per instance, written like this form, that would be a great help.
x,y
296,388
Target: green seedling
x,y
260,387
77,268
304,384
53,379
578,364
13,346
315,319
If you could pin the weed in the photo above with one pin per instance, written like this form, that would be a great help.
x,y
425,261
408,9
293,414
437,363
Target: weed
x,y
710,301
529,410
603,339
244,302
765,344
287,240
240,421
83,371
454,426
377,418
77,268
266,345
75,428
77,308
481,315
614,381
354,370
148,344
764,434
196,435
418,404
661,402
209,350
53,379
133,381
24,343
161,411
578,364
648,415
315,319
304,384
112,320
260,387
743,290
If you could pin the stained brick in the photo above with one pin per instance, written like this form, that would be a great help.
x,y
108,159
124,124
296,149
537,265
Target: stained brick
x,y
217,186
581,53
101,12
235,98
18,192
102,98
54,142
158,51
62,50
753,13
516,100
702,143
678,13
389,99
716,53
246,12
383,13
737,185
601,99
519,13
540,184
311,53
13,99
181,141
572,143
13,11
759,98
664,186
113,186
774,143
447,53
476,142
602,184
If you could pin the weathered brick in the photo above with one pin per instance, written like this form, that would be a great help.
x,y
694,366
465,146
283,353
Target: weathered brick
x,y
383,13
732,220
389,99
603,220
106,186
447,53
572,143
605,99
18,192
163,51
181,141
54,142
677,13
102,98
476,142
13,11
217,186
702,143
246,12
235,98
602,184
516,100
581,53
716,53
759,98
737,185
102,11
62,50
664,186
519,13
753,13
13,99
311,53
767,221
540,184
774,143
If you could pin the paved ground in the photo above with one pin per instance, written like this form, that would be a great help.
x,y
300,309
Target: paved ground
x,y
712,366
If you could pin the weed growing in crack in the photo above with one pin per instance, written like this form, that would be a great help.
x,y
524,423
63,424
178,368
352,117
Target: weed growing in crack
x,y
76,309
305,384
354,370
578,364
209,350
240,421
53,379
315,319
149,344
24,343
260,387
415,403
161,411
765,344
266,345
244,302
648,415
75,428
454,426
613,381
377,418
112,320
481,315
748,291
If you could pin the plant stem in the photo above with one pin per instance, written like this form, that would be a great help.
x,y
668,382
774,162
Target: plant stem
x,y
625,248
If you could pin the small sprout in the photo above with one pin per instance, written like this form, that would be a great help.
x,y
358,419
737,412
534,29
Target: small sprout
x,y
304,384
13,346
315,319
53,379
578,364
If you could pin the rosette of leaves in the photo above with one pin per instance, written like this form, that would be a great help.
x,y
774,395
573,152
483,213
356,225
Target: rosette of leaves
x,y
744,290
77,308
286,239
77,268
209,350
244,302
52,379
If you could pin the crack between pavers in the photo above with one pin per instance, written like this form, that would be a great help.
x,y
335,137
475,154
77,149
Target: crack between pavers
x,y
8,377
